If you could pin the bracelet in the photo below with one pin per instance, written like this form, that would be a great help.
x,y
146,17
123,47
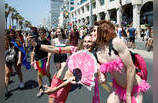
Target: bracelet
x,y
59,50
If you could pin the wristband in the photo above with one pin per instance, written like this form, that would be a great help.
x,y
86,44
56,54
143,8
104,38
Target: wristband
x,y
59,50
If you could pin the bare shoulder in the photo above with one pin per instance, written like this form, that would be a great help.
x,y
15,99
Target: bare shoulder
x,y
119,45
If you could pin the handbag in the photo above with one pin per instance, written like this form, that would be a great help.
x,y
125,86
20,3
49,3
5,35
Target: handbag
x,y
10,55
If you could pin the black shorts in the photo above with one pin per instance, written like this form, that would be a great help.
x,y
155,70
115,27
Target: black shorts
x,y
59,58
142,35
132,39
10,64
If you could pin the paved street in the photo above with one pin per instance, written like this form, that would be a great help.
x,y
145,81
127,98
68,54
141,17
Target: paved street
x,y
65,23
28,95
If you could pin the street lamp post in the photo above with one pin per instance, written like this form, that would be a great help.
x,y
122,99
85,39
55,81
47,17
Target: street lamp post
x,y
91,13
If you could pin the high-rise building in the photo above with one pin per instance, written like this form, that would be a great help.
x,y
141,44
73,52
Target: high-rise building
x,y
55,11
64,19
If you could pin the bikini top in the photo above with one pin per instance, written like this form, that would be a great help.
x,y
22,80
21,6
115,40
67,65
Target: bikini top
x,y
113,66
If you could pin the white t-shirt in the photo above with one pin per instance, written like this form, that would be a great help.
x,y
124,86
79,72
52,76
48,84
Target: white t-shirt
x,y
119,32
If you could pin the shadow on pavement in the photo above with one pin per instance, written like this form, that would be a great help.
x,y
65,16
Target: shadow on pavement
x,y
8,95
75,86
30,84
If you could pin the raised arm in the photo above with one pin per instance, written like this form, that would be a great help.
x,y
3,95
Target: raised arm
x,y
127,60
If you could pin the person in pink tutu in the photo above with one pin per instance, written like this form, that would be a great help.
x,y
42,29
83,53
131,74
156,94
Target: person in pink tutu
x,y
128,87
63,79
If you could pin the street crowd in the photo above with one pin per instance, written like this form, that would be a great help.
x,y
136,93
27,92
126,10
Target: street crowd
x,y
108,42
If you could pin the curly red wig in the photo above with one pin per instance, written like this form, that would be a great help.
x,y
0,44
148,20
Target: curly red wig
x,y
105,32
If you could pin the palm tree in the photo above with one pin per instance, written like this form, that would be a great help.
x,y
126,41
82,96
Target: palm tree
x,y
21,19
13,17
6,17
10,13
7,12
17,19
27,23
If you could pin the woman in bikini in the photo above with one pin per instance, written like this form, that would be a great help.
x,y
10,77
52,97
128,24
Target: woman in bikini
x,y
127,85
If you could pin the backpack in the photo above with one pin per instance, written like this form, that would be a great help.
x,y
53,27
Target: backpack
x,y
138,61
10,55
140,64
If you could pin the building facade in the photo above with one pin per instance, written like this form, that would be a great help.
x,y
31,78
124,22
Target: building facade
x,y
132,11
65,10
55,12
64,13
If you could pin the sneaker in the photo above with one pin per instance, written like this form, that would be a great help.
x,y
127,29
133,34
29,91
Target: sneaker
x,y
40,93
8,94
21,85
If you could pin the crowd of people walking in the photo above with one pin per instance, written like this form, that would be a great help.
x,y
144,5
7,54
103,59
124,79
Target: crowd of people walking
x,y
108,42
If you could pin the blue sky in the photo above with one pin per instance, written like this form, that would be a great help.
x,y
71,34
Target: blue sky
x,y
33,10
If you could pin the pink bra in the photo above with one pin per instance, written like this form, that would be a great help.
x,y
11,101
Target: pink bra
x,y
113,66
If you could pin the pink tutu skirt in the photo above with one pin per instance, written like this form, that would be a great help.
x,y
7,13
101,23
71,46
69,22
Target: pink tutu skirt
x,y
121,92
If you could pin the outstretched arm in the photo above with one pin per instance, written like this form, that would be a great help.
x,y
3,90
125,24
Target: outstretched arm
x,y
54,49
52,90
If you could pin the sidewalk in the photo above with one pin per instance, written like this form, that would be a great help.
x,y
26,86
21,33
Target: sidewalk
x,y
140,48
144,53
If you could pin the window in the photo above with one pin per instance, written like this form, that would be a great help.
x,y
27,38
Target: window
x,y
94,5
102,2
82,9
83,1
87,7
72,8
